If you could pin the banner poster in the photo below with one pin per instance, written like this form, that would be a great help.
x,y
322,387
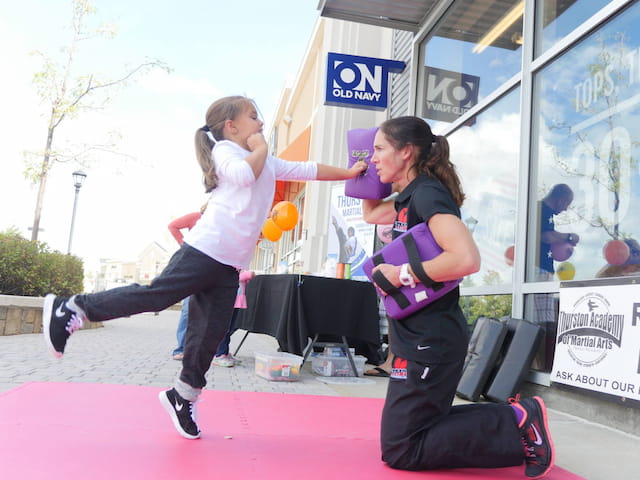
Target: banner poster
x,y
598,338
350,238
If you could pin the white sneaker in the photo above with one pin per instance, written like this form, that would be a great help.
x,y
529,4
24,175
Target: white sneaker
x,y
224,361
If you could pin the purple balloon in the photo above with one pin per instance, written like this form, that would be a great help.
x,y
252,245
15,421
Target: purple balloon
x,y
561,251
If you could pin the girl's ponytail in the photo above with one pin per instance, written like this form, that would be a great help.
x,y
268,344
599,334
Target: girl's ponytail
x,y
204,145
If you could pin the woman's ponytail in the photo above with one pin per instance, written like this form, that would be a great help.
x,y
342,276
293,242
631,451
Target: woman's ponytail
x,y
440,165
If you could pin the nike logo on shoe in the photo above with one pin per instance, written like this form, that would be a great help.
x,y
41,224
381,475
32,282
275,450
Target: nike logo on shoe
x,y
538,439
179,407
423,347
60,311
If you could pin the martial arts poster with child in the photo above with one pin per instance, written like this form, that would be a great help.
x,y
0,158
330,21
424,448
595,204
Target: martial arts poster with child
x,y
350,238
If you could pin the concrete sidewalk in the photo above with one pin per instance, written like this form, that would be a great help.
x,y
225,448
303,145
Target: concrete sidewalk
x,y
137,351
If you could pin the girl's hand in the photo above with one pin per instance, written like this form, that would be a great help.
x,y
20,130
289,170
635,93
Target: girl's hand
x,y
255,141
357,168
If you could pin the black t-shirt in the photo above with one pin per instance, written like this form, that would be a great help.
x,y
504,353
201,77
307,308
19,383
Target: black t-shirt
x,y
438,333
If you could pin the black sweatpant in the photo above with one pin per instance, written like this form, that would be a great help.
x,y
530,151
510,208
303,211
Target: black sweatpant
x,y
422,431
212,286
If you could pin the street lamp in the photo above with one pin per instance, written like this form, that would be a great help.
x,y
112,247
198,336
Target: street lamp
x,y
78,179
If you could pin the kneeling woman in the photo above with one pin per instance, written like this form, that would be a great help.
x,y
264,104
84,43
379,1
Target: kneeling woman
x,y
421,430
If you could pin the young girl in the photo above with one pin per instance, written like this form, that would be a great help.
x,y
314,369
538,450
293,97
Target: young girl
x,y
421,430
240,175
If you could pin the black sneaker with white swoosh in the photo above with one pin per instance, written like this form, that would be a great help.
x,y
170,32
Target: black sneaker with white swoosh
x,y
536,439
60,318
182,413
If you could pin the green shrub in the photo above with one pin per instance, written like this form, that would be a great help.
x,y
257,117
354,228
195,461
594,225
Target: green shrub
x,y
33,269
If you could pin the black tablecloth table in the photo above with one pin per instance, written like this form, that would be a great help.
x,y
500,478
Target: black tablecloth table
x,y
295,308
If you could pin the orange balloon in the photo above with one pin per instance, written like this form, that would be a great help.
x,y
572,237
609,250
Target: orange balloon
x,y
285,215
271,231
616,252
508,255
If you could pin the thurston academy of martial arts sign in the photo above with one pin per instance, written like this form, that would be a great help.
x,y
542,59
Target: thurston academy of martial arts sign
x,y
598,337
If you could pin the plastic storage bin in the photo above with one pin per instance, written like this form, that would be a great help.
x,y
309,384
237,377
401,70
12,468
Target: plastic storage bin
x,y
332,366
278,366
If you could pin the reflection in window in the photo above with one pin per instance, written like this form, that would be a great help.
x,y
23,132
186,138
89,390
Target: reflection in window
x,y
485,153
586,136
474,50
557,18
553,245
542,309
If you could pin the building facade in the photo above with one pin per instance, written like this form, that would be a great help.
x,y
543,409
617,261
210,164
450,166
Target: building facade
x,y
304,128
538,100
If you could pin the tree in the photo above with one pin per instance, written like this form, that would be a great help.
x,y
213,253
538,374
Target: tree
x,y
496,306
66,95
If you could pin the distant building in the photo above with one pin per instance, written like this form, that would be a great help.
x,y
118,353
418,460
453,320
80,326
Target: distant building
x,y
113,273
151,262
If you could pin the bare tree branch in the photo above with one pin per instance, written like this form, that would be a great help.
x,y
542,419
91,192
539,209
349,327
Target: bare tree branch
x,y
67,96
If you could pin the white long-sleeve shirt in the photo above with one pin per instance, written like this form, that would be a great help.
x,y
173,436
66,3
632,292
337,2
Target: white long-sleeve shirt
x,y
238,207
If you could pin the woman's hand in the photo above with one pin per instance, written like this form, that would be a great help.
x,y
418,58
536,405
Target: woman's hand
x,y
392,274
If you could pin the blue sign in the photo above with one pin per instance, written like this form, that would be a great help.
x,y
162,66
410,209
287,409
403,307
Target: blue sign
x,y
359,81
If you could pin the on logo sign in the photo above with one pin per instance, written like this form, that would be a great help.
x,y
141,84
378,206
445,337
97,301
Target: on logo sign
x,y
448,95
359,81
356,76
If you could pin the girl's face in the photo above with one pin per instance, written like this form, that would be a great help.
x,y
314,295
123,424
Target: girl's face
x,y
246,124
391,164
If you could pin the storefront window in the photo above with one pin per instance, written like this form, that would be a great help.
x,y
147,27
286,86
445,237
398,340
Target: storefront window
x,y
485,152
494,306
290,244
542,309
557,18
585,169
474,50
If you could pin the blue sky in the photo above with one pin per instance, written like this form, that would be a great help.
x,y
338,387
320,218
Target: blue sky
x,y
214,48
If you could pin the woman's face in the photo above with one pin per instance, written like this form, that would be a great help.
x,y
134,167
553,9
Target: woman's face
x,y
391,164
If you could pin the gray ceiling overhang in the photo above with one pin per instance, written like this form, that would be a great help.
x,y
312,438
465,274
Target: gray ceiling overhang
x,y
398,14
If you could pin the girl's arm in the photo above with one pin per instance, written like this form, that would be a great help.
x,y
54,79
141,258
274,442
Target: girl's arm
x,y
259,149
187,221
329,172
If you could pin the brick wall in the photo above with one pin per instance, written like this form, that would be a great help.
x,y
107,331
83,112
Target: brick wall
x,y
24,315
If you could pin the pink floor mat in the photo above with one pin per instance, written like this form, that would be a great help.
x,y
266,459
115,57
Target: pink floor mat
x,y
77,431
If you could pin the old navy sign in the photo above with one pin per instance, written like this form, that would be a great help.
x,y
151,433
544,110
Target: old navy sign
x,y
359,81
448,95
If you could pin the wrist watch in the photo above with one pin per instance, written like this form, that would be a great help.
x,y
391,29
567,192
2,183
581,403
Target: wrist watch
x,y
405,277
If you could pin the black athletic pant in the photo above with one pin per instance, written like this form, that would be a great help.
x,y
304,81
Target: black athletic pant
x,y
422,431
212,286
